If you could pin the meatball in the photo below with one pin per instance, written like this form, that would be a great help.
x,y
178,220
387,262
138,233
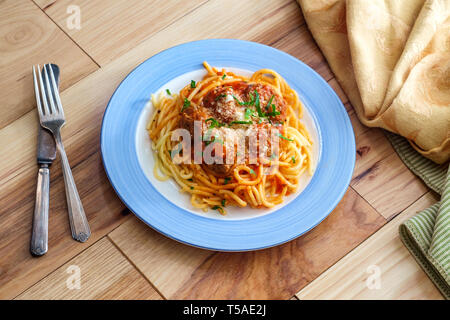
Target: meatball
x,y
222,104
266,93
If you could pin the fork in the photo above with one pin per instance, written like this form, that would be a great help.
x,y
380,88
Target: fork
x,y
51,117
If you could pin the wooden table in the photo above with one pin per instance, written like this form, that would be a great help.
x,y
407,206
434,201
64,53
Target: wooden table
x,y
125,259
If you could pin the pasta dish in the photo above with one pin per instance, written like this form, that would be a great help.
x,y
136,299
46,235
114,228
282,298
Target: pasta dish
x,y
231,140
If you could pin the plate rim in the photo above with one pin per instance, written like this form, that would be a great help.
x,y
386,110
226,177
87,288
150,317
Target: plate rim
x,y
332,206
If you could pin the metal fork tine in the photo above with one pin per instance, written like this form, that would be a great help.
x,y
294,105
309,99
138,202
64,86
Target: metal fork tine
x,y
49,91
55,91
43,95
38,97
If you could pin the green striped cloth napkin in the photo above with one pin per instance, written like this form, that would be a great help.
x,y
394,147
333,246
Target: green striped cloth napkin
x,y
427,234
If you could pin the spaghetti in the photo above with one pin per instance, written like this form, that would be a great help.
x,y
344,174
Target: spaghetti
x,y
224,103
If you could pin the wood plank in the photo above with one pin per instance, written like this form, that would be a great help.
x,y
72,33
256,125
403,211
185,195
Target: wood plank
x,y
18,269
104,274
400,276
274,273
110,21
29,37
300,44
380,176
84,104
388,185
108,29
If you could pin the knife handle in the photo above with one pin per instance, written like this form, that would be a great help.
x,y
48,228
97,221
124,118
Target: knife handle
x,y
39,236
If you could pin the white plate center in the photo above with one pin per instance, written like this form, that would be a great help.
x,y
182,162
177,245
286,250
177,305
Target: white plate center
x,y
170,189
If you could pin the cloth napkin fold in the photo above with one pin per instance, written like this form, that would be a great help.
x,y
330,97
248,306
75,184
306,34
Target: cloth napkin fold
x,y
392,59
427,234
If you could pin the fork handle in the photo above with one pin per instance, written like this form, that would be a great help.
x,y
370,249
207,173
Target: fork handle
x,y
77,218
39,235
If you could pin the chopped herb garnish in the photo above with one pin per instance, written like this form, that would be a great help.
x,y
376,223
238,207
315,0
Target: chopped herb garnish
x,y
190,180
245,103
227,179
220,96
192,188
238,101
248,112
293,159
283,137
252,99
192,84
223,202
274,112
241,122
186,104
214,123
218,208
168,92
207,138
252,172
224,75
269,103
261,114
258,105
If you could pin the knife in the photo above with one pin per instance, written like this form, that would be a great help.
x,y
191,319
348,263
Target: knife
x,y
46,153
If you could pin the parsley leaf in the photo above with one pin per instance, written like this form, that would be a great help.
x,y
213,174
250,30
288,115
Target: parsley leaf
x,y
269,103
186,104
283,137
223,202
218,208
240,122
258,105
168,92
214,123
274,112
248,112
252,99
293,159
224,75
220,96
227,179
252,172
237,100
192,84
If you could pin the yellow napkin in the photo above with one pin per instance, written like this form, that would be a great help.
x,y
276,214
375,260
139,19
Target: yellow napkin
x,y
392,58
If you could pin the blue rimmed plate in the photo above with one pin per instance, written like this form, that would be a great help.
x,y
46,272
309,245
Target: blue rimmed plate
x,y
128,160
